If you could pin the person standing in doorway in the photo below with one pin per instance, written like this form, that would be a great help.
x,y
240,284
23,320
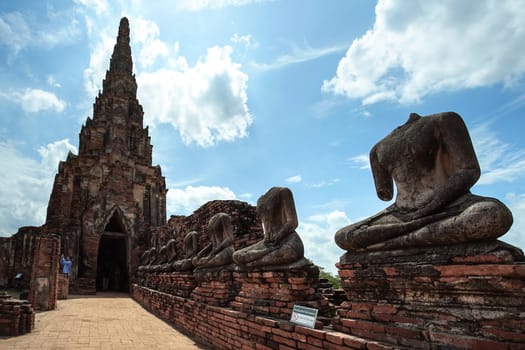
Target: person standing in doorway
x,y
66,264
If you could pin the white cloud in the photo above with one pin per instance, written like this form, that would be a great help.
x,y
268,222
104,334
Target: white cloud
x,y
17,34
499,162
98,64
35,100
207,103
247,40
516,235
317,233
362,161
26,184
185,201
294,179
52,82
418,48
53,153
199,5
99,6
325,183
298,55
146,33
14,31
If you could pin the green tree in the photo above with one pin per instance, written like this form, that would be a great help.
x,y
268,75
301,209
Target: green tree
x,y
334,280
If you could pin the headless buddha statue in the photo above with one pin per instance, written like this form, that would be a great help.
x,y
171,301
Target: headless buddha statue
x,y
281,247
190,249
219,252
432,162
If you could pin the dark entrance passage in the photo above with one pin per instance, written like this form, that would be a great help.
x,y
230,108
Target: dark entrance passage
x,y
112,272
112,263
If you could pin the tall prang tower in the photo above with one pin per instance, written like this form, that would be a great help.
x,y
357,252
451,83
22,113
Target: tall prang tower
x,y
106,198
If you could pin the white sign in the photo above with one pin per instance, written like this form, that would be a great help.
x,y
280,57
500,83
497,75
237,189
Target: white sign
x,y
304,316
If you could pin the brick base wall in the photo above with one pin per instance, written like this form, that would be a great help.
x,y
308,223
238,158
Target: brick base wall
x,y
456,297
224,328
16,316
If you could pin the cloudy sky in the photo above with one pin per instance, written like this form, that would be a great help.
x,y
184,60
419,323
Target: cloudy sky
x,y
243,95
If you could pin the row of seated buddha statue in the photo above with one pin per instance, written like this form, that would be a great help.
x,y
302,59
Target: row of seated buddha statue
x,y
431,161
280,249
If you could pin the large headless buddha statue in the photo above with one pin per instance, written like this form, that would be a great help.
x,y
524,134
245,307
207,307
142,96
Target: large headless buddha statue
x,y
432,162
219,252
281,247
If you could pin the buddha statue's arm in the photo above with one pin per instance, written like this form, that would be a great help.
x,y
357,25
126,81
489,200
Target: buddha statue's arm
x,y
382,177
204,251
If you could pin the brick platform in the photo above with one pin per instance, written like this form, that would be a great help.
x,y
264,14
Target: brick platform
x,y
176,283
16,316
215,288
465,296
274,293
225,328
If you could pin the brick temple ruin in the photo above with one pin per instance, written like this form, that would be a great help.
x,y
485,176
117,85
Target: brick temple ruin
x,y
226,279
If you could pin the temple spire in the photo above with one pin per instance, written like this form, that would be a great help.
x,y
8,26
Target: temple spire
x,y
121,61
119,78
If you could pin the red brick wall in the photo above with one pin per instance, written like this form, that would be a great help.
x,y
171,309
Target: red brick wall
x,y
5,252
20,256
460,297
224,328
247,229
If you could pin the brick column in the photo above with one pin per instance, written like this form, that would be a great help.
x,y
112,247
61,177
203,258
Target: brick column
x,y
44,276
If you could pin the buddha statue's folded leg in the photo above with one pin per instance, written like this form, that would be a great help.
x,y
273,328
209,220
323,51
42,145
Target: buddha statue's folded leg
x,y
290,250
223,257
250,253
379,228
484,220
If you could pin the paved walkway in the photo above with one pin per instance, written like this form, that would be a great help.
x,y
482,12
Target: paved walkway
x,y
106,321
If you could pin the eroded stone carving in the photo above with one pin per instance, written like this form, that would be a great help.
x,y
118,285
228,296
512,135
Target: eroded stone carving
x,y
169,255
281,247
219,252
432,162
190,249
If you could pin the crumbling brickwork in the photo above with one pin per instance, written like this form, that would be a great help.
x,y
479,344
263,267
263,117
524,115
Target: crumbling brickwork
x,y
246,227
464,296
20,256
5,252
16,316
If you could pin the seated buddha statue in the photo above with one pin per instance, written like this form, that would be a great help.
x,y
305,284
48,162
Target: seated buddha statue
x,y
170,255
190,249
218,253
432,162
281,247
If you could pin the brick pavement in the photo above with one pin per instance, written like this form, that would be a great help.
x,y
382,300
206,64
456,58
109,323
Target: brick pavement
x,y
106,321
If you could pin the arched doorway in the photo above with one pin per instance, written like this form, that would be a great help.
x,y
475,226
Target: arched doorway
x,y
112,261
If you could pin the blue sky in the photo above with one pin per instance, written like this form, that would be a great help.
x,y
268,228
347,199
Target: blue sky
x,y
243,95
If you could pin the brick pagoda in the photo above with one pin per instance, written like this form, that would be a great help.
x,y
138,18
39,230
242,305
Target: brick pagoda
x,y
105,199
